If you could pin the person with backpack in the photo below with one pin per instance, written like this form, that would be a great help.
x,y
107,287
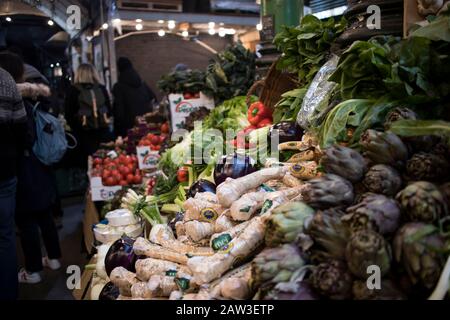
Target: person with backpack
x,y
132,97
36,190
88,110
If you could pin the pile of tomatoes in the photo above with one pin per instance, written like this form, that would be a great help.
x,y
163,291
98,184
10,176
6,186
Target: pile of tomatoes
x,y
153,141
122,170
150,184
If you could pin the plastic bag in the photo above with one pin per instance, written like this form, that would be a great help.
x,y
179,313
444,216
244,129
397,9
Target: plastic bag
x,y
316,101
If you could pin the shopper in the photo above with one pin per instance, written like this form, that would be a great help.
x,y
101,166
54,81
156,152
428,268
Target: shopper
x,y
132,97
12,139
88,110
35,187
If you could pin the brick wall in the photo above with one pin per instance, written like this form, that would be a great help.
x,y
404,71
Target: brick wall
x,y
154,56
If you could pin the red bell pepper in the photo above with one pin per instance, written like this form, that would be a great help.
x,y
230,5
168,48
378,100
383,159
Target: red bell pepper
x,y
264,123
258,112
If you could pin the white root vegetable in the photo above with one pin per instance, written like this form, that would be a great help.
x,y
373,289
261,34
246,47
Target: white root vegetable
x,y
145,268
141,290
123,279
162,234
232,189
144,247
306,155
291,181
274,199
122,297
206,269
180,229
100,264
197,209
206,196
188,241
223,223
247,205
203,294
304,170
235,288
161,286
219,240
198,230
176,295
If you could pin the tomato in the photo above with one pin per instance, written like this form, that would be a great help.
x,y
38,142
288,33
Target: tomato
x,y
187,95
115,172
182,174
130,178
137,179
98,161
131,166
165,128
106,173
110,181
264,123
117,177
155,147
124,170
123,183
155,140
162,139
128,159
107,161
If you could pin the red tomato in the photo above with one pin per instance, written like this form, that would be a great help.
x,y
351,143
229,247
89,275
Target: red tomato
x,y
106,174
156,147
128,159
123,183
115,172
98,161
165,128
182,174
187,95
110,181
162,138
117,177
137,179
107,161
124,170
155,140
131,166
130,178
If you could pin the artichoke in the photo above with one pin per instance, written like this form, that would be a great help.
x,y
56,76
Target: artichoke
x,y
418,248
428,167
384,148
388,291
366,248
399,113
329,234
274,265
383,179
376,212
422,201
332,279
328,191
286,222
292,291
344,162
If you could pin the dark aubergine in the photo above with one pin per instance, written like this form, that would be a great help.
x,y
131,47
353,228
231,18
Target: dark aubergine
x,y
201,185
109,292
121,254
287,131
233,166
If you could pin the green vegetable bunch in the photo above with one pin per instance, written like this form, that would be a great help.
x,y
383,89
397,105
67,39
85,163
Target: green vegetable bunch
x,y
191,81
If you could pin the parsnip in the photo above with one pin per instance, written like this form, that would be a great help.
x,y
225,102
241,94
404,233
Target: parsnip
x,y
304,170
223,223
232,189
123,279
162,234
180,229
291,181
141,290
243,208
145,268
219,240
201,210
198,230
206,196
206,269
161,286
306,155
144,247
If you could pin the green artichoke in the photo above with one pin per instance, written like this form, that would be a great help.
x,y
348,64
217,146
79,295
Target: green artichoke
x,y
418,248
330,236
332,279
292,291
388,291
344,162
286,222
366,248
383,179
274,265
422,201
328,191
428,167
376,212
399,113
384,148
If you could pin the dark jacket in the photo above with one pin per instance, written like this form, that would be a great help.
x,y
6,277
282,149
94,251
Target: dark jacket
x,y
132,98
12,126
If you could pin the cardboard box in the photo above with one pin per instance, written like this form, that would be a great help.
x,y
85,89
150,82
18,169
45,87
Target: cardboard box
x,y
180,108
147,159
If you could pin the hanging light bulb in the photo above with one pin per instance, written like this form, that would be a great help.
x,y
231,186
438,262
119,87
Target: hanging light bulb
x,y
160,21
185,33
117,20
139,27
105,26
138,20
8,19
259,26
212,32
50,22
161,33
171,24
211,25
222,32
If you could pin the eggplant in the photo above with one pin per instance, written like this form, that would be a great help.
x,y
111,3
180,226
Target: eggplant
x,y
109,292
201,185
287,131
179,216
121,254
233,166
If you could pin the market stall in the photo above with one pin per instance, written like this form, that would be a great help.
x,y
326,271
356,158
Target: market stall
x,y
335,187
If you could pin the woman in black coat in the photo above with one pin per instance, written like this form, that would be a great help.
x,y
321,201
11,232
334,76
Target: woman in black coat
x,y
132,97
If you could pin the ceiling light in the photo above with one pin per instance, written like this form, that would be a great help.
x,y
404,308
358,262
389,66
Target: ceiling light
x,y
117,20
211,25
259,27
52,65
161,33
222,33
50,22
185,33
171,24
221,24
160,21
105,26
212,32
138,20
139,27
57,64
8,19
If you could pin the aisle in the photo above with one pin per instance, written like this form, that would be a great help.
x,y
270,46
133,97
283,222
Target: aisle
x,y
53,285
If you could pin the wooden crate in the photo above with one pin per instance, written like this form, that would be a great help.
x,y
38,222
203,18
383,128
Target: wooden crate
x,y
84,293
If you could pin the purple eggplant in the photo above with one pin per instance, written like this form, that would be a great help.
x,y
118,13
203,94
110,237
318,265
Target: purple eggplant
x,y
287,131
109,292
121,254
201,185
233,166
